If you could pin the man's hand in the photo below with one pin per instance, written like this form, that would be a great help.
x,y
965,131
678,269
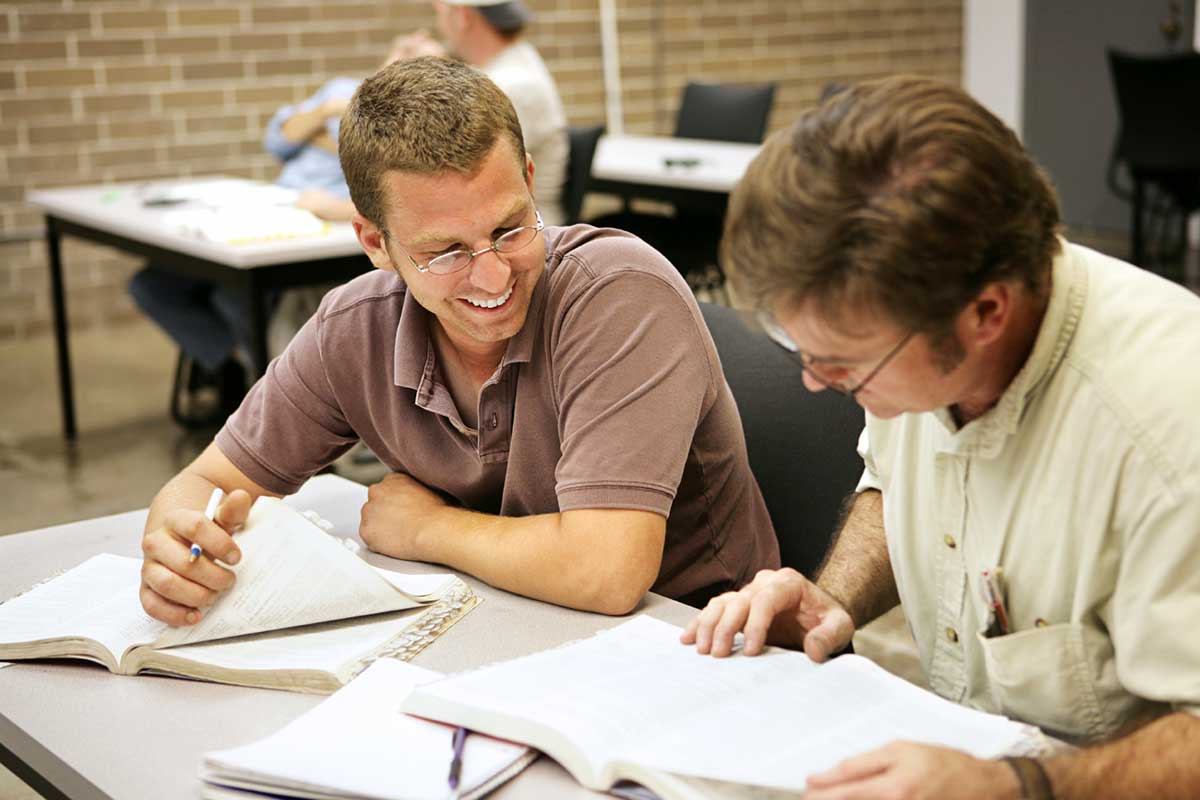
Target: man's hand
x,y
414,45
398,509
325,205
175,590
778,607
335,107
909,771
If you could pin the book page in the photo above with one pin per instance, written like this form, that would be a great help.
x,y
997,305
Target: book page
x,y
357,743
422,587
635,694
325,647
96,600
292,573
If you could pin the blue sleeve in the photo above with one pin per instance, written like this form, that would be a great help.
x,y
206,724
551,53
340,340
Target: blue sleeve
x,y
274,141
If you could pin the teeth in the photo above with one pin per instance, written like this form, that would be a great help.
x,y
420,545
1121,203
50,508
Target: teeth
x,y
495,302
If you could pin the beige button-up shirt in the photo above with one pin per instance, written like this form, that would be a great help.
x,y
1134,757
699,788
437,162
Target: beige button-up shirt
x,y
1082,485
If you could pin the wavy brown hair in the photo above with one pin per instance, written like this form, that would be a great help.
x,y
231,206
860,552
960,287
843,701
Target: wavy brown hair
x,y
902,195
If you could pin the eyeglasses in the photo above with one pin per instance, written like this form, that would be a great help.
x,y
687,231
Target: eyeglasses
x,y
508,242
780,337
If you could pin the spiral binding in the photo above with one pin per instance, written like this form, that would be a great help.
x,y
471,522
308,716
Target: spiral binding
x,y
454,604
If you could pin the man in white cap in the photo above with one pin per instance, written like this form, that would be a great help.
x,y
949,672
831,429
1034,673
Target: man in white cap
x,y
488,35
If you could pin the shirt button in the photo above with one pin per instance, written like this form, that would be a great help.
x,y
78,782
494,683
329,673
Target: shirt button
x,y
494,421
949,540
952,635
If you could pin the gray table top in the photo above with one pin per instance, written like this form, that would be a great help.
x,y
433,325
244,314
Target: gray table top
x,y
97,735
119,208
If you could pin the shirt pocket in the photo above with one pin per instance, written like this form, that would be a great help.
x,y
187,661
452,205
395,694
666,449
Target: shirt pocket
x,y
1041,676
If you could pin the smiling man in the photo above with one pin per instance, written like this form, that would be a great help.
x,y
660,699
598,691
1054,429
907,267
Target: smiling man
x,y
549,399
1031,488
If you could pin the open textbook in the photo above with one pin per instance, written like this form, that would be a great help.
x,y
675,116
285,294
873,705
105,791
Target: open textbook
x,y
632,703
357,744
305,614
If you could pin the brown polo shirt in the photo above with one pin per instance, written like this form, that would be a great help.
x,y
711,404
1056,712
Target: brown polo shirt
x,y
610,396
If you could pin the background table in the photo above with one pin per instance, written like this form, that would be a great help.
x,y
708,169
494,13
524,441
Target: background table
x,y
669,168
72,729
116,215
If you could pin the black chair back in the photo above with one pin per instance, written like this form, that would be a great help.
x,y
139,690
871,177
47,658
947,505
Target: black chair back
x,y
1160,131
582,141
725,112
1158,141
801,444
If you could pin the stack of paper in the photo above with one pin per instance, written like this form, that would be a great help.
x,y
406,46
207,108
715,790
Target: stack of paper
x,y
243,224
357,744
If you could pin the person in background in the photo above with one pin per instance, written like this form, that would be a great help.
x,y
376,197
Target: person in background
x,y
1031,491
208,320
489,35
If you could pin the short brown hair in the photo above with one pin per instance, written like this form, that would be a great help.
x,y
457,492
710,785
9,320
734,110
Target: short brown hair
x,y
426,116
902,194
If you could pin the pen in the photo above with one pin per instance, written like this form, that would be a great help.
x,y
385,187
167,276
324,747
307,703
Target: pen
x,y
460,738
994,598
210,513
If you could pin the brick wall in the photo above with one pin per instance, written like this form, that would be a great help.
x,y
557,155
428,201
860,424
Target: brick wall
x,y
127,90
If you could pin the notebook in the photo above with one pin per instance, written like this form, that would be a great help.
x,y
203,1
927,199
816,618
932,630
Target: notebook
x,y
357,744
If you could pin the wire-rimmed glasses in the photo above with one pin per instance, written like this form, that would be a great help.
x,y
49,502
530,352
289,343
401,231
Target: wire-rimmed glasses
x,y
812,367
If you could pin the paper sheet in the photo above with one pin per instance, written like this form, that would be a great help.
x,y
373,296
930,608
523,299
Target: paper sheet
x,y
293,573
358,743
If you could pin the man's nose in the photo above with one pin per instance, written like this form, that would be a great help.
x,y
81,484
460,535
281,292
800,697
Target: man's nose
x,y
490,272
812,384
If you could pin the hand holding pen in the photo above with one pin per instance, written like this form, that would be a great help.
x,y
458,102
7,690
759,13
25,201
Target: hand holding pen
x,y
210,514
187,553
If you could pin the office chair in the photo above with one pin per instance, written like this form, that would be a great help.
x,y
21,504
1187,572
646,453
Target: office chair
x,y
724,112
720,112
801,444
1158,142
582,147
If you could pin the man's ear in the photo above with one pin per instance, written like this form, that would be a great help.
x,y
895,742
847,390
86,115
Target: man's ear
x,y
370,236
529,172
990,313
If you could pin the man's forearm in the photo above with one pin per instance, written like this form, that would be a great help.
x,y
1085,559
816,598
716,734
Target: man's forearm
x,y
857,571
192,487
601,568
304,125
185,490
1159,760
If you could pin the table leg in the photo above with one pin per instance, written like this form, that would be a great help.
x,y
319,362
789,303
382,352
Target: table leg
x,y
258,325
1137,232
66,396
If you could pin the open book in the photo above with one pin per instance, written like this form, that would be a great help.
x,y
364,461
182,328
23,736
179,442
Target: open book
x,y
292,574
357,744
632,703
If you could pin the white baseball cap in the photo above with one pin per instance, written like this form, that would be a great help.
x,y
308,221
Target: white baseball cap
x,y
503,15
